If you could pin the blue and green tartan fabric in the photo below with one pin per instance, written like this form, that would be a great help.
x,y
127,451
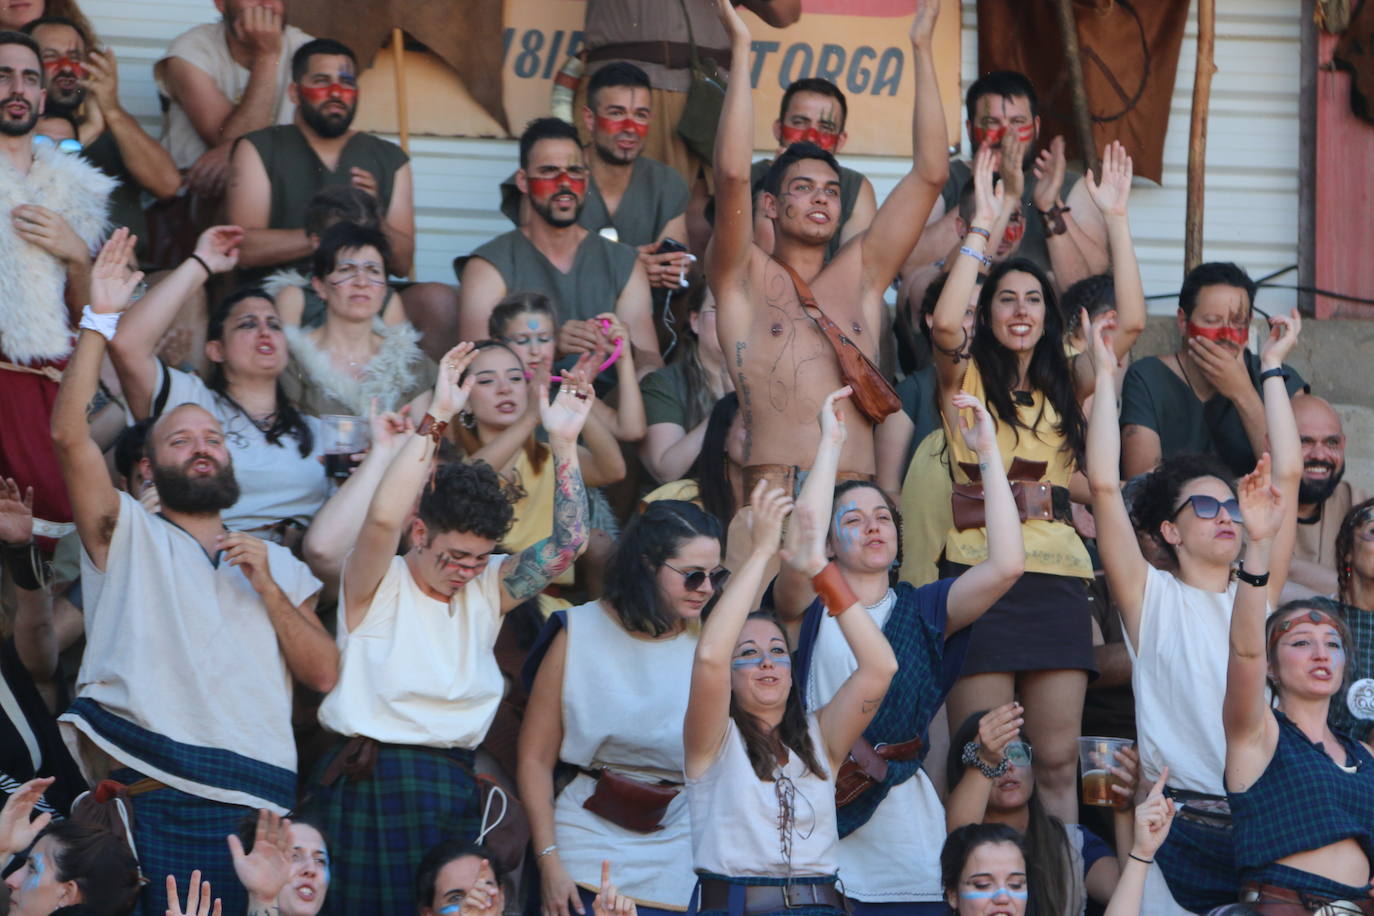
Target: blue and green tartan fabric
x,y
928,666
380,827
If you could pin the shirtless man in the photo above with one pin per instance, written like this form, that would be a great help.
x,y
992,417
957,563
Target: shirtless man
x,y
782,364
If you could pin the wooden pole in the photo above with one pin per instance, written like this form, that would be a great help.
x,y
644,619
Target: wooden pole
x,y
402,104
1082,120
1197,131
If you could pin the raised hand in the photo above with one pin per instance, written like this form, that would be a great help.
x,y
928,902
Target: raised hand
x,y
450,394
998,728
833,431
980,434
1101,334
1283,334
923,23
267,869
102,79
1049,170
609,901
1261,503
17,831
808,555
989,194
730,18
1009,166
16,513
770,507
1113,193
388,429
1153,817
197,898
260,29
112,280
563,415
218,247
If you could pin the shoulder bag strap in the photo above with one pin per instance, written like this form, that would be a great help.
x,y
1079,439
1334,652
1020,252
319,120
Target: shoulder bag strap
x,y
829,328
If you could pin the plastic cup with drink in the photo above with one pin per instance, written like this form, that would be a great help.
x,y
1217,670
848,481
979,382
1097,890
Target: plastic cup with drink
x,y
344,436
1096,757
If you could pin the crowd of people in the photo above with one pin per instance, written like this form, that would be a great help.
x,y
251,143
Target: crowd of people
x,y
664,566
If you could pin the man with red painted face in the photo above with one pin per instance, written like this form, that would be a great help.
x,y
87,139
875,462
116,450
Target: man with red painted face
x,y
220,80
1205,397
84,84
554,254
1060,229
814,110
782,361
631,197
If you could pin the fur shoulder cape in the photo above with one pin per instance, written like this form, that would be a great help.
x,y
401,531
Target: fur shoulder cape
x,y
387,376
34,325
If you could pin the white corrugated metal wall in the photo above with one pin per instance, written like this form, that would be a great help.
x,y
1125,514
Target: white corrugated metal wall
x,y
1252,176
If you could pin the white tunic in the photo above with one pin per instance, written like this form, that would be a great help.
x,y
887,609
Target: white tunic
x,y
181,645
417,670
908,824
624,699
735,814
275,481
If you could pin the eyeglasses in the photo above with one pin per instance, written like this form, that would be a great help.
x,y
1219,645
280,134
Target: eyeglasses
x,y
692,581
67,146
1208,507
1018,753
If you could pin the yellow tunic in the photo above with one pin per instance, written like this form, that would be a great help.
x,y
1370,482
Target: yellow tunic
x,y
1051,546
534,512
926,513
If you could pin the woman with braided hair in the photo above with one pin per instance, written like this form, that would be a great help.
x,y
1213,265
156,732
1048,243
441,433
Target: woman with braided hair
x,y
1352,707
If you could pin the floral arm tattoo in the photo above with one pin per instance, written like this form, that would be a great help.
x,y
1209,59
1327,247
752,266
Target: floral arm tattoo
x,y
525,574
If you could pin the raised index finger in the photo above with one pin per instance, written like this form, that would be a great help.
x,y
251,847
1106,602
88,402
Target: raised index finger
x,y
605,874
1157,790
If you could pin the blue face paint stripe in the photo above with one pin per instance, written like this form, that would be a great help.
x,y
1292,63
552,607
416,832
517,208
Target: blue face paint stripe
x,y
450,909
781,660
992,894
37,866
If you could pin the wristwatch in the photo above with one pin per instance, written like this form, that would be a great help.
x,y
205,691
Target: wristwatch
x,y
1259,581
970,758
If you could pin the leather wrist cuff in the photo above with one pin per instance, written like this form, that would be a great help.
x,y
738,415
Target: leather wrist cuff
x,y
833,591
432,429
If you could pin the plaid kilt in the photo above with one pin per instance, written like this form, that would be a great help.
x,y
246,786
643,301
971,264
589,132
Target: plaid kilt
x,y
177,833
1198,862
380,827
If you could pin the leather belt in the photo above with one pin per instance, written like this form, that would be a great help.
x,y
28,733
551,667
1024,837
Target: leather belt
x,y
675,55
1273,900
767,898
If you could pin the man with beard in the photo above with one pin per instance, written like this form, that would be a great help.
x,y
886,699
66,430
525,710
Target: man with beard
x,y
1060,229
1324,496
220,80
814,110
552,253
770,325
84,84
194,633
1205,397
275,171
52,211
631,198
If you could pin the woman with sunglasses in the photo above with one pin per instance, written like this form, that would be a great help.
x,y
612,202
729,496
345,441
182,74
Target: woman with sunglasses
x,y
761,770
609,694
927,628
1301,792
992,781
1177,624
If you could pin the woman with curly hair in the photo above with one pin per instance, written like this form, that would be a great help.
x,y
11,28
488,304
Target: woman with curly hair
x,y
1177,623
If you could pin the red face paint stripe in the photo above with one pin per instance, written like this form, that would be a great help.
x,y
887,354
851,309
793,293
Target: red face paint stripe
x,y
623,125
318,95
826,140
1237,336
549,186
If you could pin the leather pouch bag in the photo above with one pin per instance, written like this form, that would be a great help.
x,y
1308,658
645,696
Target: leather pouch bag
x,y
705,99
630,803
862,770
872,394
1034,499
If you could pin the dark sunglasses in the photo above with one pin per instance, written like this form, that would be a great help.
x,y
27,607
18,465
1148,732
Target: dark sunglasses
x,y
692,581
1209,506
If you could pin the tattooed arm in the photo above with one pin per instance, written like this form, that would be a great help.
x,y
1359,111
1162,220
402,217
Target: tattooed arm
x,y
524,575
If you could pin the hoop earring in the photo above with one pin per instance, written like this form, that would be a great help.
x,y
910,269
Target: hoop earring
x,y
467,419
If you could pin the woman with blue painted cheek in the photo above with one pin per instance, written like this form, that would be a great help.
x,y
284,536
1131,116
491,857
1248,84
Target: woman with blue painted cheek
x,y
457,878
283,863
67,863
983,868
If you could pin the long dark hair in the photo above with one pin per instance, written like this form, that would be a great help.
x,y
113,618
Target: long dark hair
x,y
713,481
287,420
1049,371
650,539
698,386
765,747
100,863
1345,548
1046,843
961,843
